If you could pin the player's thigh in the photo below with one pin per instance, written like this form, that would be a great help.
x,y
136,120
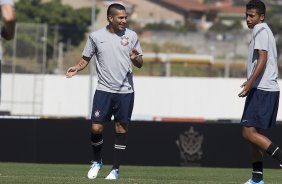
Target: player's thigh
x,y
260,109
102,107
123,107
268,108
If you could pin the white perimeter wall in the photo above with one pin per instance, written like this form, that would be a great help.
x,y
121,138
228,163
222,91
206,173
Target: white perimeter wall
x,y
155,97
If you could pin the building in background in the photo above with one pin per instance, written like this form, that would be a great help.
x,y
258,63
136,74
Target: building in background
x,y
171,12
203,15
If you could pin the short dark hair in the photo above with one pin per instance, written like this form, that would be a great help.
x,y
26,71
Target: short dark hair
x,y
116,6
258,5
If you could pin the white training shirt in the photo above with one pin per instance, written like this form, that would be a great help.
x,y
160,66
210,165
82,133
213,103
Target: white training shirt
x,y
263,39
113,64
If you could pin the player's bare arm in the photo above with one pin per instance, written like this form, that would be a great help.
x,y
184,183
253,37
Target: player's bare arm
x,y
9,21
82,63
136,58
261,63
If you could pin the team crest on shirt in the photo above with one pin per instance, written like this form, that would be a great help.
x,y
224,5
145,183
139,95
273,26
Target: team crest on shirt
x,y
124,40
97,114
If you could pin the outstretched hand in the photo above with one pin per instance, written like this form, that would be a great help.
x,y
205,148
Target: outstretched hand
x,y
71,72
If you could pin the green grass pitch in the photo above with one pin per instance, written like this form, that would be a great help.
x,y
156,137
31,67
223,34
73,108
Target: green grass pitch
x,y
22,173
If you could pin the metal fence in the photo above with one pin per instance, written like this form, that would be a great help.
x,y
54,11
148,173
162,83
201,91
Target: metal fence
x,y
213,55
25,54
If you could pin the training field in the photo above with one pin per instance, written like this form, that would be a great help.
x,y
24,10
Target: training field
x,y
18,173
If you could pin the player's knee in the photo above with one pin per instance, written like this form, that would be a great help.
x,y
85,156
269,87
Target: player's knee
x,y
97,128
121,128
246,134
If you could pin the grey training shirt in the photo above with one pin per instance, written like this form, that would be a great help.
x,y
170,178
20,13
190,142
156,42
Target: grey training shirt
x,y
113,64
263,39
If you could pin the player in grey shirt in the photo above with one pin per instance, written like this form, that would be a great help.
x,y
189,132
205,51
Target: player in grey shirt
x,y
115,48
113,61
263,39
8,25
261,90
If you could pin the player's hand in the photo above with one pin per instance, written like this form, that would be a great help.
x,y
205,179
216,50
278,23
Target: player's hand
x,y
71,72
133,54
246,88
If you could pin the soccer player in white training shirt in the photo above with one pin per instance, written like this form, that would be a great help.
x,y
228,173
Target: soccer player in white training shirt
x,y
261,89
115,48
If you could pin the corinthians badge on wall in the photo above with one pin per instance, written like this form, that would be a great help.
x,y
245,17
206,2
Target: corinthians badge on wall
x,y
190,146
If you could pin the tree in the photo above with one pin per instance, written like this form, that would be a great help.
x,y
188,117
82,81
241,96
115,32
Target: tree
x,y
71,25
65,24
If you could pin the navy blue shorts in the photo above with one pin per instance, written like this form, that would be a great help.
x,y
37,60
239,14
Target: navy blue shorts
x,y
261,109
106,105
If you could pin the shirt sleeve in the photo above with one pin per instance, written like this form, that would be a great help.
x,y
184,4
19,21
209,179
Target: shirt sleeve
x,y
261,40
90,48
11,2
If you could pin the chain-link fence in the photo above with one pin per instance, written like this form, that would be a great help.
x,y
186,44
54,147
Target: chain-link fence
x,y
26,54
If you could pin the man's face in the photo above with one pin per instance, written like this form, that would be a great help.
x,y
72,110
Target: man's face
x,y
118,20
253,18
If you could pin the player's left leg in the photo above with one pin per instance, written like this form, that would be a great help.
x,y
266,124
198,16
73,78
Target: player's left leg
x,y
275,152
120,143
122,114
260,111
255,137
119,149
